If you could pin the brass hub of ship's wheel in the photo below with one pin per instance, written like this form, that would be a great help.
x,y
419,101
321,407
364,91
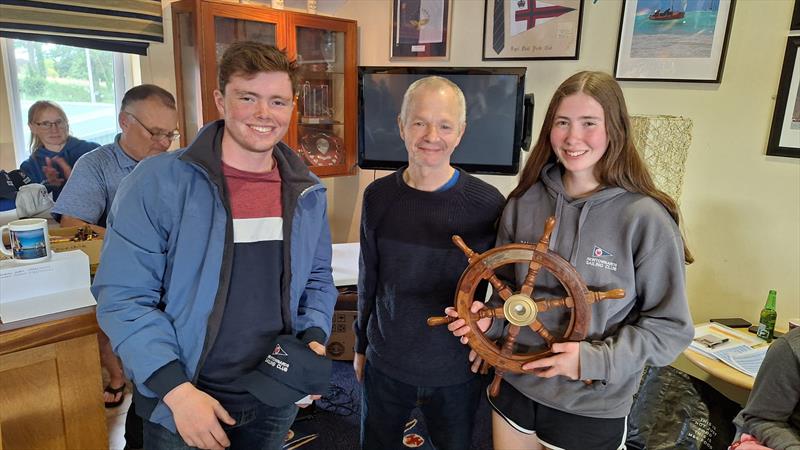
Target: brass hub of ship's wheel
x,y
520,310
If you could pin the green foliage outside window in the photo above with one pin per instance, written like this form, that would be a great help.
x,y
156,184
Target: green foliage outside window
x,y
61,73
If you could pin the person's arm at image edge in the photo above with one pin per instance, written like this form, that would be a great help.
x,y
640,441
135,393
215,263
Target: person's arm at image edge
x,y
775,397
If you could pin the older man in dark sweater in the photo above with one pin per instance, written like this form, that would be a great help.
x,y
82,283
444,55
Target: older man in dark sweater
x,y
409,270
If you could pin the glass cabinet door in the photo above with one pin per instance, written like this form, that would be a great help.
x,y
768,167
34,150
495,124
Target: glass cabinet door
x,y
229,23
228,30
320,100
323,126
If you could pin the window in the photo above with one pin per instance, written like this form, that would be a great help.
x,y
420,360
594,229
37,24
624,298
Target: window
x,y
88,84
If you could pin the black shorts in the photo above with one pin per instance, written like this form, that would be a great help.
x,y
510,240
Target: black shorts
x,y
558,429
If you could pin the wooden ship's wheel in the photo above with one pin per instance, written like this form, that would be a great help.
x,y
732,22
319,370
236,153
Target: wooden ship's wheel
x,y
520,308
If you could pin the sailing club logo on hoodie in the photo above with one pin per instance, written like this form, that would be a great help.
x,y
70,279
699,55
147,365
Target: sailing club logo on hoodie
x,y
599,252
599,259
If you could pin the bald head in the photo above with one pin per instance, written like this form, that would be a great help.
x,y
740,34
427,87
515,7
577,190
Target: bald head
x,y
433,84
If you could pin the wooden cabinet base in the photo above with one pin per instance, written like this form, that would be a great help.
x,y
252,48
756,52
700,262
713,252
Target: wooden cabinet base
x,y
50,397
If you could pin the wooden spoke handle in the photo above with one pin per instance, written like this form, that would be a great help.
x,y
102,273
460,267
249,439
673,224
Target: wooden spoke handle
x,y
463,246
436,321
615,294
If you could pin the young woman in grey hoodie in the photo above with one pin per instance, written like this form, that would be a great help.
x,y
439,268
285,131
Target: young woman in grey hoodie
x,y
619,231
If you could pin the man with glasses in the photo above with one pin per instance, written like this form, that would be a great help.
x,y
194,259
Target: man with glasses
x,y
147,118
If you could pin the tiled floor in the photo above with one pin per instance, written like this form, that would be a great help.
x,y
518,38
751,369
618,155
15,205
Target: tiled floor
x,y
115,422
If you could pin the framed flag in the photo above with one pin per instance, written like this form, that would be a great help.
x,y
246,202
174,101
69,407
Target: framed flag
x,y
420,29
532,29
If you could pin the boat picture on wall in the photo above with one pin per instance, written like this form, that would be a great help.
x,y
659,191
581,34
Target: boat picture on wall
x,y
674,28
667,14
673,40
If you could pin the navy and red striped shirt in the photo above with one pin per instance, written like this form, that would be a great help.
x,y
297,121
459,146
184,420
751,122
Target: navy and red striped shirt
x,y
252,315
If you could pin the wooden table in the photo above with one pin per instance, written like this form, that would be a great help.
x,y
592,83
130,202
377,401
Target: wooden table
x,y
50,383
719,369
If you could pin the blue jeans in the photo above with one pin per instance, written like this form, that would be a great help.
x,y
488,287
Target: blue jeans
x,y
259,428
386,405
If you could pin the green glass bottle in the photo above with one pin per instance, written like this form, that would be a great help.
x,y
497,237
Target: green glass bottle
x,y
766,323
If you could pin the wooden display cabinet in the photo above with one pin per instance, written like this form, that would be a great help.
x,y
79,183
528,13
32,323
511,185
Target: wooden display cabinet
x,y
323,127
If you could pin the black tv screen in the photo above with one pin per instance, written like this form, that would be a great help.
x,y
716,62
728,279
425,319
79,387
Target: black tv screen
x,y
497,126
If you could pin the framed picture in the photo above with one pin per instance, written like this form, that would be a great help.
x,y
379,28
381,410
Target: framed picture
x,y
784,136
795,25
531,29
673,40
421,29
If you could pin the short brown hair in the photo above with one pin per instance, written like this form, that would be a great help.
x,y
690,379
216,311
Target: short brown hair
x,y
249,58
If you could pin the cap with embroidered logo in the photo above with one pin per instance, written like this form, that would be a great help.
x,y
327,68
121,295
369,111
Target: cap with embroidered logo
x,y
288,374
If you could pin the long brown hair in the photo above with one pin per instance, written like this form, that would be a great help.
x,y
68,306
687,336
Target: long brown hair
x,y
33,115
621,165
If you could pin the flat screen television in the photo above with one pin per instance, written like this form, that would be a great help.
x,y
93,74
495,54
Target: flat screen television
x,y
499,116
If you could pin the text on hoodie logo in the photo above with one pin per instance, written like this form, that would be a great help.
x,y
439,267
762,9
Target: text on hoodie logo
x,y
598,259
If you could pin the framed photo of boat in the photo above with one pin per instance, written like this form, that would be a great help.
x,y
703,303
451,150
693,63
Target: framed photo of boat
x,y
673,40
784,136
420,29
532,29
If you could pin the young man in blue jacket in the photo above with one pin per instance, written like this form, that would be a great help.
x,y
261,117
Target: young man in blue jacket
x,y
213,252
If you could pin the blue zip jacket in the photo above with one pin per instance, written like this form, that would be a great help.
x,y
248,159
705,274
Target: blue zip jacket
x,y
167,256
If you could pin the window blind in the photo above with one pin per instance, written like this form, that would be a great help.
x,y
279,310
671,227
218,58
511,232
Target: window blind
x,y
115,25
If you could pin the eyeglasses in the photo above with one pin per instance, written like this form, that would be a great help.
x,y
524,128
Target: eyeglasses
x,y
157,137
46,124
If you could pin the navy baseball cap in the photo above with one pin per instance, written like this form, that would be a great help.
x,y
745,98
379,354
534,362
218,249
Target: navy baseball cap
x,y
19,178
288,374
7,188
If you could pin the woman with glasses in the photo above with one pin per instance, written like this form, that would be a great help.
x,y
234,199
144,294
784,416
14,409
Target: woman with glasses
x,y
53,151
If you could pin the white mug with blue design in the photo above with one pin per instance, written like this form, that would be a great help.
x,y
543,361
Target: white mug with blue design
x,y
30,240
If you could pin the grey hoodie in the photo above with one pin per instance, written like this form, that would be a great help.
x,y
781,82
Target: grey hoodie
x,y
615,239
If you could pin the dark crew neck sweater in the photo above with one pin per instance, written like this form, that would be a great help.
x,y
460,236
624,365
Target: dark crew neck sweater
x,y
409,271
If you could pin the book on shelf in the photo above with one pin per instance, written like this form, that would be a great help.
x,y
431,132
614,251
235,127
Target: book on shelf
x,y
743,351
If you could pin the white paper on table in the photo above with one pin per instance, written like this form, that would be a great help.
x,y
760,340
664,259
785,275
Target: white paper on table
x,y
734,339
749,362
738,352
46,304
33,290
345,263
